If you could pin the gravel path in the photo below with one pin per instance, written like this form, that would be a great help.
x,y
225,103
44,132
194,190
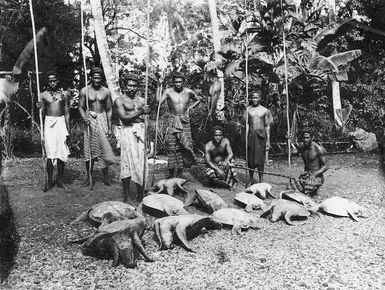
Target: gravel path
x,y
325,253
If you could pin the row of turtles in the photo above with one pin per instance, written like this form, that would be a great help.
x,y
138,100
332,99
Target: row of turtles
x,y
121,226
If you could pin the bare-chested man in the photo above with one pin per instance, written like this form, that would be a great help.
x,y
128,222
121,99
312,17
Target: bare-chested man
x,y
179,139
315,161
259,119
98,119
55,102
131,109
219,157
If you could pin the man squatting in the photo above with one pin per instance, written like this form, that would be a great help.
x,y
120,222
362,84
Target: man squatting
x,y
55,103
98,120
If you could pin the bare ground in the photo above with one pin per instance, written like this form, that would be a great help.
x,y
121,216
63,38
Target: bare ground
x,y
325,253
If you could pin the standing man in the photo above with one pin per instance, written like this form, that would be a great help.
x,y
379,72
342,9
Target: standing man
x,y
313,156
55,103
131,109
179,139
259,119
98,119
219,158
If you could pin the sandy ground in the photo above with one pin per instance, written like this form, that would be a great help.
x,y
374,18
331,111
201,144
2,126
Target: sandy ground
x,y
325,253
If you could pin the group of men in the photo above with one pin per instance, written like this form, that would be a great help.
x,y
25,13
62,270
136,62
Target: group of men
x,y
96,108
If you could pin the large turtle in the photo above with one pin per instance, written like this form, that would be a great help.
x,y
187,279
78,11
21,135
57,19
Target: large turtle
x,y
119,240
184,227
343,207
160,205
96,212
299,197
260,189
208,199
286,208
250,201
236,218
170,185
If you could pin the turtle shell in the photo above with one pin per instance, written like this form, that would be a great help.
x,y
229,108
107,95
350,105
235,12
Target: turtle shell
x,y
210,199
116,208
227,215
247,198
162,205
298,197
339,206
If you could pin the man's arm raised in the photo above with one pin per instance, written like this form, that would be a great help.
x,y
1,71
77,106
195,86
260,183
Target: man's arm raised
x,y
196,100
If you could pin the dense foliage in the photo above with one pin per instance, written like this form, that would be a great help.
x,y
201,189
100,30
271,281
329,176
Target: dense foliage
x,y
251,34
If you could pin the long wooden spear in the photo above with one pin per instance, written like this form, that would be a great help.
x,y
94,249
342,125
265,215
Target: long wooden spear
x,y
156,130
286,87
247,104
145,102
87,93
38,90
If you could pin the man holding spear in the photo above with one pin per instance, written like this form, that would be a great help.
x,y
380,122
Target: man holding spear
x,y
55,102
131,110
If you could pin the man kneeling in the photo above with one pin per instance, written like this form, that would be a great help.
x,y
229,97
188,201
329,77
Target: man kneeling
x,y
218,155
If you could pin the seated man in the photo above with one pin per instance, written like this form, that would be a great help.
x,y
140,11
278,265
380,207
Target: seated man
x,y
315,161
218,155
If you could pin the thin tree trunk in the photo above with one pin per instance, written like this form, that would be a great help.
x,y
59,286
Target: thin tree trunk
x,y
101,40
217,46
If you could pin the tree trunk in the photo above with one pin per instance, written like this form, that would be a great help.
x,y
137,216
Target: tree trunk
x,y
101,40
217,46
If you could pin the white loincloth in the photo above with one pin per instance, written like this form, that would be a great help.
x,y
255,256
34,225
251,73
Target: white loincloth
x,y
132,152
55,136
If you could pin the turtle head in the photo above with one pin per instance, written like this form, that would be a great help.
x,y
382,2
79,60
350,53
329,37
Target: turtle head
x,y
363,212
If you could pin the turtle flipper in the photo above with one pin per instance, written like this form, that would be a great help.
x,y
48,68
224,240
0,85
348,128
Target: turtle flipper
x,y
236,227
180,231
82,217
156,228
353,215
287,217
160,189
138,244
272,195
140,209
249,208
190,199
179,185
266,211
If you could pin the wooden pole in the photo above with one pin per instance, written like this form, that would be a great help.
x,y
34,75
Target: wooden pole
x,y
38,90
156,131
247,104
145,102
286,88
87,93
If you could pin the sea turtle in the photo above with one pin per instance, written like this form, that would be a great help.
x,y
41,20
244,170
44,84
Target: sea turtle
x,y
237,218
160,205
339,206
208,199
119,240
185,227
285,208
170,185
116,208
299,197
249,200
260,189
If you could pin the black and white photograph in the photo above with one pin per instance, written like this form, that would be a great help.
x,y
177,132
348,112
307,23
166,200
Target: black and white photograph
x,y
192,144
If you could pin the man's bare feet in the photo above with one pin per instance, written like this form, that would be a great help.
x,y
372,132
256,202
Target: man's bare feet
x,y
60,184
48,185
